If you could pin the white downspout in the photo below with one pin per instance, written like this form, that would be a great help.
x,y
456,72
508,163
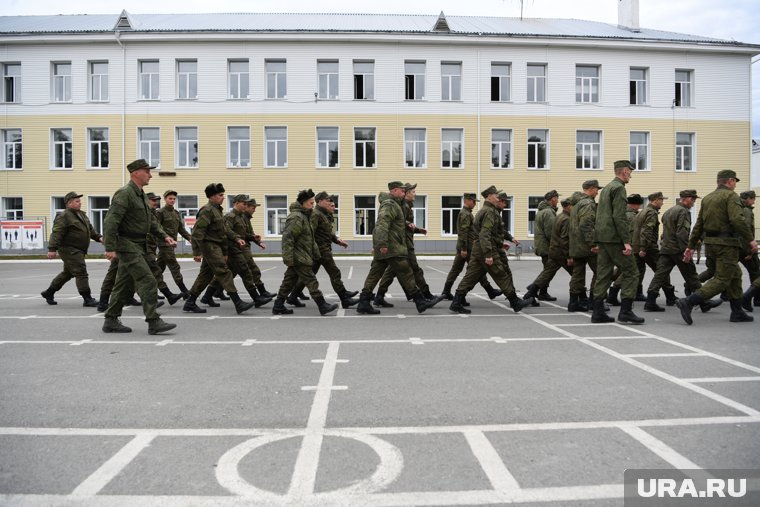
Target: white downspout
x,y
123,107
477,189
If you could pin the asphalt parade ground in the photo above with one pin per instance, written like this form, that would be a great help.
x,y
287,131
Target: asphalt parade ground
x,y
536,408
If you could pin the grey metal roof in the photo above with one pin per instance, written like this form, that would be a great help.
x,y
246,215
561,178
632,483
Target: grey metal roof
x,y
340,23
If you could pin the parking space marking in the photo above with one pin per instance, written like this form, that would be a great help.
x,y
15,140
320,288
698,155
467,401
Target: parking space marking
x,y
491,463
721,379
660,448
668,354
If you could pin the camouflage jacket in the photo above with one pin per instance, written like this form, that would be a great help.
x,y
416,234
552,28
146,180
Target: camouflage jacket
x,y
646,230
542,232
129,221
153,241
559,246
324,229
749,216
72,229
238,222
390,228
721,220
211,227
408,208
298,245
466,234
612,226
676,226
172,223
582,220
491,232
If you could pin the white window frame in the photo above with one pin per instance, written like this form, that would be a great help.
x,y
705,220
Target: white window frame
x,y
420,212
328,79
501,83
327,144
417,78
98,82
587,86
60,90
451,81
57,205
537,83
187,79
149,149
367,75
56,145
588,151
418,148
450,145
686,151
533,202
638,87
684,90
450,215
12,149
150,79
98,144
238,145
97,214
635,150
182,206
11,83
363,143
535,146
275,143
498,147
336,214
238,79
13,213
276,79
278,215
366,214
184,147
509,212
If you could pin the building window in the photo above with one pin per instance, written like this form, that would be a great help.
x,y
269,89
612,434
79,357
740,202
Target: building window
x,y
501,148
57,205
239,146
13,208
12,149
187,79
639,150
536,83
149,82
414,148
61,148
238,79
12,82
507,215
451,147
277,79
336,215
99,81
586,83
538,149
150,145
97,143
451,81
365,147
276,146
277,212
638,87
187,205
588,149
419,211
501,82
364,215
683,96
328,79
451,205
533,202
414,80
61,82
187,147
684,151
327,146
98,210
364,80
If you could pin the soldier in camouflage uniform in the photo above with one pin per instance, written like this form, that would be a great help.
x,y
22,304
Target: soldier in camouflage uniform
x,y
210,247
749,259
488,255
252,237
466,237
153,243
635,201
583,248
324,234
389,246
559,245
173,224
722,226
128,223
70,240
646,238
542,235
299,253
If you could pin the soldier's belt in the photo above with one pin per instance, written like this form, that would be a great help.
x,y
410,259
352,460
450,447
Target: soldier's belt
x,y
723,234
133,235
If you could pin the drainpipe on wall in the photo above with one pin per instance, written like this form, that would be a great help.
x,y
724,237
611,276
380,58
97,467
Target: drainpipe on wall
x,y
477,189
123,106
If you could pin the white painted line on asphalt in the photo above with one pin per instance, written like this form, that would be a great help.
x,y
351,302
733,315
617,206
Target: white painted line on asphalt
x,y
82,342
710,354
164,343
248,342
660,448
212,317
317,388
496,471
619,337
436,269
28,317
668,354
416,340
721,379
103,475
553,327
321,361
341,313
498,339
350,272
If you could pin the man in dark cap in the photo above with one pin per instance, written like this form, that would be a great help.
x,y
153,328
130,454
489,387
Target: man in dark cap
x,y
389,246
153,243
127,225
559,246
724,230
613,237
466,237
583,247
210,247
748,258
635,201
646,251
172,223
70,240
542,235
252,237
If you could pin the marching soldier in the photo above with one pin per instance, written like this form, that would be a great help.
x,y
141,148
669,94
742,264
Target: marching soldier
x,y
542,235
173,224
127,225
70,240
722,226
646,237
559,246
153,243
635,201
583,247
749,259
252,237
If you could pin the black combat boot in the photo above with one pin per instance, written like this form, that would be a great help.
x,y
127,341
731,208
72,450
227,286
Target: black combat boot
x,y
191,306
300,295
532,291
156,326
670,296
543,295
427,294
457,306
574,304
612,296
380,300
421,303
240,305
48,295
324,306
208,298
747,298
103,303
170,297
639,294
258,299
583,301
183,290
686,305
492,292
263,290
756,301
279,307
111,325
686,290
89,301
219,294
737,312
710,304
446,292
626,313
651,304
346,301
294,300
599,316
352,293
365,305
518,304
464,301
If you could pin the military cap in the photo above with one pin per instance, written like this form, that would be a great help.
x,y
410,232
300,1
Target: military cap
x,y
471,195
490,190
503,196
408,186
70,196
656,195
551,194
213,189
619,164
748,194
396,184
252,202
590,184
334,198
241,198
635,199
323,195
138,164
577,196
688,193
152,196
566,202
304,195
727,173
170,192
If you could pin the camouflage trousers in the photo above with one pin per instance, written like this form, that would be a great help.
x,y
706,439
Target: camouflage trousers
x,y
238,264
109,280
458,266
752,265
610,256
652,260
213,266
498,270
578,278
73,267
400,267
546,275
156,270
328,262
419,275
168,258
727,274
665,264
133,274
302,273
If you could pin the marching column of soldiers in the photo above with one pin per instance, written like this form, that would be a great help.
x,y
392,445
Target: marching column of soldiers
x,y
612,237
